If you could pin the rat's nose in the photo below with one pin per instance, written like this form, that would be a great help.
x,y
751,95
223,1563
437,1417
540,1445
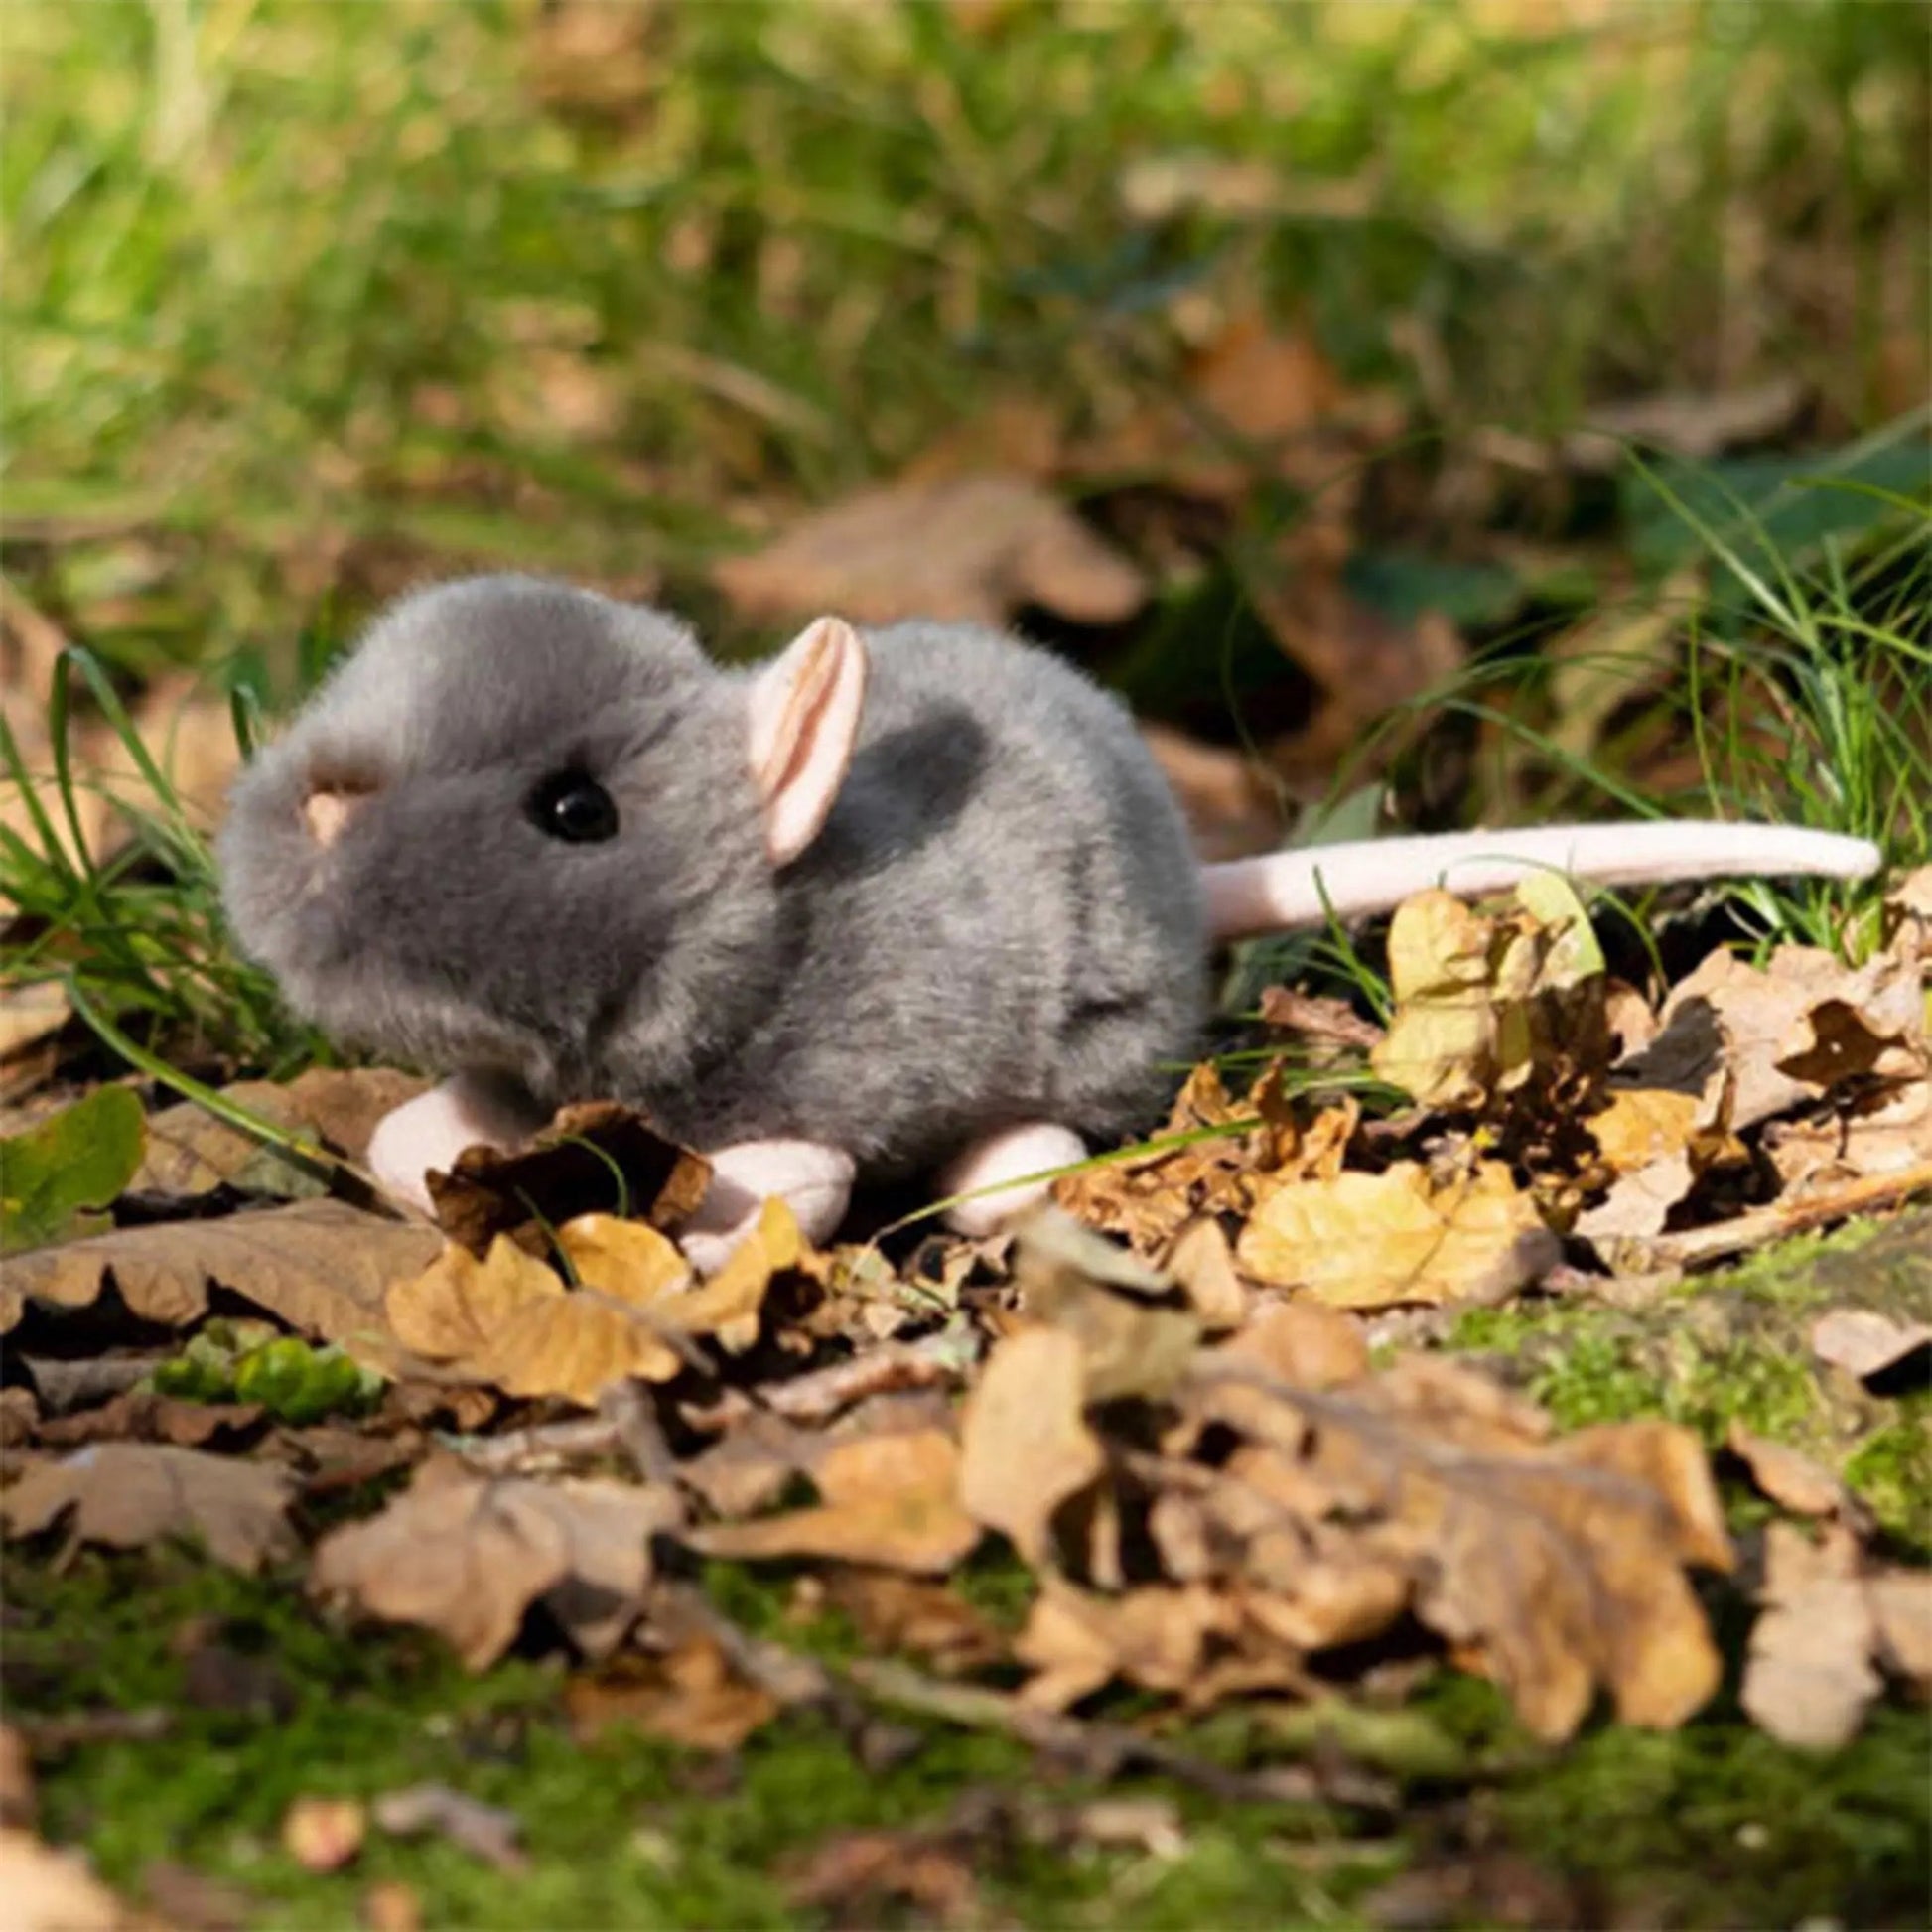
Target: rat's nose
x,y
328,808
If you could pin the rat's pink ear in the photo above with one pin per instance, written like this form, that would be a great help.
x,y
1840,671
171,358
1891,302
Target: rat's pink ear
x,y
805,707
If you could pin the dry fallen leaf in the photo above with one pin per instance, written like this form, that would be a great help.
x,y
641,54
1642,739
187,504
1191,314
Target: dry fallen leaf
x,y
592,1158
1364,1241
321,1265
1810,1678
1155,1636
324,1833
466,1558
1787,1475
976,548
1134,1338
128,1494
1787,1032
888,1499
1865,1343
508,1319
1025,1446
49,1890
689,1696
1486,1005
856,1873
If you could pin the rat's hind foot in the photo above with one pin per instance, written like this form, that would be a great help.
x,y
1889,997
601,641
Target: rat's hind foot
x,y
467,1110
814,1182
1010,1156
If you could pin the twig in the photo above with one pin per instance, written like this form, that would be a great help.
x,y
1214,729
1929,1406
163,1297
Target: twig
x,y
1103,1748
1762,1224
629,1410
518,1449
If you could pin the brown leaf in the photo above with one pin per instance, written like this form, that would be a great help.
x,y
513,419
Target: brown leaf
x,y
1901,1606
141,1415
858,1872
1318,1018
31,1011
389,1905
690,1696
1133,1339
1697,423
1155,1636
1230,808
190,1152
1787,1475
1553,1567
19,1802
892,1500
567,1172
324,1833
895,1614
128,1494
1809,1678
485,1832
321,1265
1787,1032
1365,1241
1865,1343
1201,1263
54,1891
1024,1448
467,1557
972,547
457,1307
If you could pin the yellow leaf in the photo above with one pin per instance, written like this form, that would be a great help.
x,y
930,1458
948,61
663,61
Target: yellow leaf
x,y
628,1259
1370,1240
454,1310
1644,1124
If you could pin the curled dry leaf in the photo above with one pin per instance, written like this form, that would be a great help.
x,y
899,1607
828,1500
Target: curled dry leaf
x,y
1787,1475
1486,1005
467,1557
890,1499
597,1158
1365,1241
1553,1567
1865,1343
967,547
128,1494
1786,1032
508,1320
320,1266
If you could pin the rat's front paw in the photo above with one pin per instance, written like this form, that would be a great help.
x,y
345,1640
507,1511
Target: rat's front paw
x,y
467,1110
814,1182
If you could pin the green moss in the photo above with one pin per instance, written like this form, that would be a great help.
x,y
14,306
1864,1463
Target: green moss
x,y
1892,1471
623,1831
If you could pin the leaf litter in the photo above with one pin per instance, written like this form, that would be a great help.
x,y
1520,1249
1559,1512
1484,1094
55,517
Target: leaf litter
x,y
1160,1398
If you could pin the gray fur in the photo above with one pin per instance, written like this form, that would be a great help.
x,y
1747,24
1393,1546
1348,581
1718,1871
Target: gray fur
x,y
1002,921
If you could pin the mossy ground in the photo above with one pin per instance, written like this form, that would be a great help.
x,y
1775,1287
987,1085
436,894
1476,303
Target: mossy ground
x,y
1713,1825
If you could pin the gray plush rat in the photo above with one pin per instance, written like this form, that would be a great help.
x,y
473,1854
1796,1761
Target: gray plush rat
x,y
896,901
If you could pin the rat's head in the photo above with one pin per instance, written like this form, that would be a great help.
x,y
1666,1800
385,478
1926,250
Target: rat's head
x,y
519,812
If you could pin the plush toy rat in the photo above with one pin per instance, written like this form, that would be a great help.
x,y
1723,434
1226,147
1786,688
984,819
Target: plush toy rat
x,y
903,901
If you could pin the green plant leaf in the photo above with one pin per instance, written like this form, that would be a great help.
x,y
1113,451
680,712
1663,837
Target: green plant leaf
x,y
80,1160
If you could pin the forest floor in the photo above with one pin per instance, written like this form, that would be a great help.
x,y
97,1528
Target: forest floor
x,y
1474,1464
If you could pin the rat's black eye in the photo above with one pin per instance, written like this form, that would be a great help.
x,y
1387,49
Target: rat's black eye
x,y
568,805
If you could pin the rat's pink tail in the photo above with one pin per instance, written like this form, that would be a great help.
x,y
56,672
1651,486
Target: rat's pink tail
x,y
1286,890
